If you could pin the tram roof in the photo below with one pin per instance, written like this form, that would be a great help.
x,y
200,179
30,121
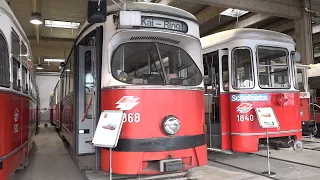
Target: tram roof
x,y
5,8
244,33
152,8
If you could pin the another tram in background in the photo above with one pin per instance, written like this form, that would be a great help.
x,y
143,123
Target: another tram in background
x,y
18,94
146,61
309,126
54,107
314,85
248,69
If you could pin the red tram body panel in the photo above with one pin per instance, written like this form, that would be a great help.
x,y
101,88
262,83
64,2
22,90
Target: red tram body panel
x,y
142,140
245,127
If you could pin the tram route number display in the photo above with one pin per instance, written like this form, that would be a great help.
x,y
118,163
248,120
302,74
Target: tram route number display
x,y
131,117
242,118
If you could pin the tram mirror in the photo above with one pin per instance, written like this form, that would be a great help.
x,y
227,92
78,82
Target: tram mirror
x,y
123,76
97,11
297,57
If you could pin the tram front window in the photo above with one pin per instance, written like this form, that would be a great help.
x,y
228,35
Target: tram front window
x,y
154,64
273,67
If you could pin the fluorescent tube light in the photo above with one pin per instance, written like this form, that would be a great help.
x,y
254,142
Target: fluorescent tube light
x,y
61,24
53,60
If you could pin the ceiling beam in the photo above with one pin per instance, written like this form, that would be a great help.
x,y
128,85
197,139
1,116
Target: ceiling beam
x,y
280,26
36,27
287,9
244,22
208,13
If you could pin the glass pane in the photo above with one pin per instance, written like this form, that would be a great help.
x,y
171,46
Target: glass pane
x,y
300,81
242,67
225,73
15,45
4,63
15,74
24,79
273,67
154,64
89,84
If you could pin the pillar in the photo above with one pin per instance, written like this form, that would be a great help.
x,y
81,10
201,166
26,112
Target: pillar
x,y
303,34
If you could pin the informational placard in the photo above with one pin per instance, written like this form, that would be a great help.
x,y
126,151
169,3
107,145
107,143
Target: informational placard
x,y
267,117
108,129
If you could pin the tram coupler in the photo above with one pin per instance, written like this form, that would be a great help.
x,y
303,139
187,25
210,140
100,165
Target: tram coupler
x,y
297,145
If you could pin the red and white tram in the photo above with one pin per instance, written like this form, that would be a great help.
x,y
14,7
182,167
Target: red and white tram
x,y
246,69
18,94
146,60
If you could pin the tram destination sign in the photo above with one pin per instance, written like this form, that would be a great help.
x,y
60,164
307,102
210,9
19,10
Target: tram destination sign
x,y
163,23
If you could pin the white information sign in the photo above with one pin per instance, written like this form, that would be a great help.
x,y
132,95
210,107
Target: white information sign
x,y
267,117
108,129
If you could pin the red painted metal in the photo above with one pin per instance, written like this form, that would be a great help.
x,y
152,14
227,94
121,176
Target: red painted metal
x,y
154,105
245,134
17,126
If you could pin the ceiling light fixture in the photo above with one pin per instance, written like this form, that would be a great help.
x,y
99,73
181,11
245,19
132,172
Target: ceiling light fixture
x,y
35,18
234,12
61,24
39,67
53,60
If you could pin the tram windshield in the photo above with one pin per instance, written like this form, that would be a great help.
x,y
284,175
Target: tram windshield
x,y
273,67
242,68
154,64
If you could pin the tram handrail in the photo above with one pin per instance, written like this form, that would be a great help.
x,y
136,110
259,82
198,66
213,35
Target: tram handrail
x,y
87,109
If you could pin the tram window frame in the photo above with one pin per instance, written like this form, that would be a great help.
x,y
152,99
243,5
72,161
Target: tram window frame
x,y
4,62
233,70
24,79
156,75
225,63
16,65
71,72
88,89
288,64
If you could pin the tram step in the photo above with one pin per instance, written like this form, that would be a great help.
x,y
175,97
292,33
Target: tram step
x,y
93,175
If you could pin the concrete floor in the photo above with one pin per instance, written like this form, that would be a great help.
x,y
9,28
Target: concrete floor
x,y
49,159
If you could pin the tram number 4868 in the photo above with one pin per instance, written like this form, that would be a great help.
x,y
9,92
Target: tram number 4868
x,y
242,118
131,117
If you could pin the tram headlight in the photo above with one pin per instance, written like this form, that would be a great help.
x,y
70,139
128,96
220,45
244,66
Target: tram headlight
x,y
170,125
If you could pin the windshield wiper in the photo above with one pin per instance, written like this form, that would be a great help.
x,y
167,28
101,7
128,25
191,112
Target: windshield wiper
x,y
161,63
154,63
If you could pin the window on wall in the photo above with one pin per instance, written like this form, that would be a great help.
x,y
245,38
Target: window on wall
x,y
273,67
4,63
242,69
15,49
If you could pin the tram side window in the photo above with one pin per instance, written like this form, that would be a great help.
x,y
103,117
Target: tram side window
x,y
300,80
24,79
154,64
71,75
225,73
4,63
242,72
15,50
273,67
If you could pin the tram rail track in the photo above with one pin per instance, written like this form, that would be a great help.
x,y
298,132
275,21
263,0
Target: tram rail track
x,y
242,169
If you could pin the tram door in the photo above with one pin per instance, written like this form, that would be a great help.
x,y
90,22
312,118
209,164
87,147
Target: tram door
x,y
216,69
85,98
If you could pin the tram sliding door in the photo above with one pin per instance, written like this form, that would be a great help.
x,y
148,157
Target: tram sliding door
x,y
217,100
84,96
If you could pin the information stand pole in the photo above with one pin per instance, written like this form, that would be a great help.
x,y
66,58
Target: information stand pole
x,y
269,173
110,173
